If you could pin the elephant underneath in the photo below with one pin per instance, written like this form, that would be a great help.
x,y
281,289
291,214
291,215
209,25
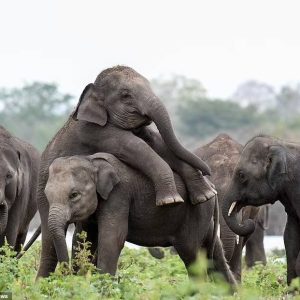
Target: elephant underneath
x,y
19,164
222,154
114,203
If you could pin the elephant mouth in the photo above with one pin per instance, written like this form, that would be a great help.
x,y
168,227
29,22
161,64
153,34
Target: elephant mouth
x,y
235,207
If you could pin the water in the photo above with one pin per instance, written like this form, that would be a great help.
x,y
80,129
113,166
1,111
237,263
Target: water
x,y
271,242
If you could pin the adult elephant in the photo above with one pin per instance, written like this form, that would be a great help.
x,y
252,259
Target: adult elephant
x,y
119,102
222,154
114,203
268,170
19,164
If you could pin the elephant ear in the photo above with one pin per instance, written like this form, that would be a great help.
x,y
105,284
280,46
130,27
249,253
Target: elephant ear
x,y
277,165
107,177
90,107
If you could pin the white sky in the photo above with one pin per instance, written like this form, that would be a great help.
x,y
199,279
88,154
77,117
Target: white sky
x,y
220,42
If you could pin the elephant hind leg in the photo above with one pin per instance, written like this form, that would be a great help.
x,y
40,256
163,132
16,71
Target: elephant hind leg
x,y
187,252
156,252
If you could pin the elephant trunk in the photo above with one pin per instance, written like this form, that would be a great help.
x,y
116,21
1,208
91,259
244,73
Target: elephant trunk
x,y
228,238
229,212
57,223
157,112
3,214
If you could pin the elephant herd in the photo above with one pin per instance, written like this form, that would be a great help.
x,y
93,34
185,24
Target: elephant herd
x,y
113,176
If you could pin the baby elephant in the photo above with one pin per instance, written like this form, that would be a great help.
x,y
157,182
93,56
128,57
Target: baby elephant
x,y
115,203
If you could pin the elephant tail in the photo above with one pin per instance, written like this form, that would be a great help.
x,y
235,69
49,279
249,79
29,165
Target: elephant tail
x,y
216,227
30,242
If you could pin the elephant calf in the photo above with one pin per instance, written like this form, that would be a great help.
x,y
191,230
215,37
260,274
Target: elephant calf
x,y
77,188
19,163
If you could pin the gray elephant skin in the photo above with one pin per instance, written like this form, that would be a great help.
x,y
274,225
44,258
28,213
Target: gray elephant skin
x,y
112,116
19,165
268,170
255,251
123,200
222,154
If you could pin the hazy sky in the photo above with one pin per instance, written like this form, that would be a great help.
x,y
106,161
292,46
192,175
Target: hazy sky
x,y
221,43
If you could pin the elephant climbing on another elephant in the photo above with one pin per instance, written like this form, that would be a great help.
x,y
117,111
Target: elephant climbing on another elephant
x,y
112,116
114,203
268,170
19,163
222,154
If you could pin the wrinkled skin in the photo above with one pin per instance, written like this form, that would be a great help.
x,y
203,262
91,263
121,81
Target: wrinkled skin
x,y
222,154
112,116
268,170
124,195
19,163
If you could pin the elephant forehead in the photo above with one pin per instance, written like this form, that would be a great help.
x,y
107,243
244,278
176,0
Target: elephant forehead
x,y
69,178
68,164
256,151
61,179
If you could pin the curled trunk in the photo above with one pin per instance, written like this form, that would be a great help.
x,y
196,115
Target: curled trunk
x,y
230,217
57,223
158,113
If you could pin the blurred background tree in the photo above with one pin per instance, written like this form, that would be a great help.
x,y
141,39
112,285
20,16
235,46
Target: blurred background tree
x,y
34,112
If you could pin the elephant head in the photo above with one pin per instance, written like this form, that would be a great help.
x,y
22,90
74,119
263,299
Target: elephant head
x,y
124,98
72,189
258,179
11,176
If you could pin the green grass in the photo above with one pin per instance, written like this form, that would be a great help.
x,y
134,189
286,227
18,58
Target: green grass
x,y
140,276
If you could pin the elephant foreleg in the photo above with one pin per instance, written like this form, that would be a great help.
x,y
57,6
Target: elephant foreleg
x,y
135,152
112,233
92,238
292,247
199,189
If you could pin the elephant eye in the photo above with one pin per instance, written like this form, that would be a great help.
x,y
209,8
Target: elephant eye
x,y
242,176
125,94
74,195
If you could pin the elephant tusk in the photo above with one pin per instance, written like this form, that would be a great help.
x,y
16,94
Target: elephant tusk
x,y
237,239
231,208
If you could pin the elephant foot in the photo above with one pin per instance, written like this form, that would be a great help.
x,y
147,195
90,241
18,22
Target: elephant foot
x,y
201,191
168,199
